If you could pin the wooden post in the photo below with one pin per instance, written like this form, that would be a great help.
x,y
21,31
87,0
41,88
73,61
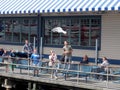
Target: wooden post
x,y
29,86
34,86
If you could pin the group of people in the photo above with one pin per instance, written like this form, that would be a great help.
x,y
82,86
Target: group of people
x,y
7,54
66,59
67,54
35,57
53,59
27,49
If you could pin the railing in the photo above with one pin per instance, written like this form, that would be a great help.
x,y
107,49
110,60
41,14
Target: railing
x,y
73,72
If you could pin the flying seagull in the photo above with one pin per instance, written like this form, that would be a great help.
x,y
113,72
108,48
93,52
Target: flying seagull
x,y
59,30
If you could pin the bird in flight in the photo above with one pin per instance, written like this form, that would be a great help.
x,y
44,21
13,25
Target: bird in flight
x,y
59,30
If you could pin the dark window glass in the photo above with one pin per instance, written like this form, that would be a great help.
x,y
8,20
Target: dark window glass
x,y
81,31
16,30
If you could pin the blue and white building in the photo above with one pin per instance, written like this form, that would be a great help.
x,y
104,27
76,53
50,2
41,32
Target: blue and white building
x,y
84,20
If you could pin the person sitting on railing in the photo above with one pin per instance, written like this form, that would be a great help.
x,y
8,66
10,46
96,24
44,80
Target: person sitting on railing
x,y
35,58
103,68
52,63
104,65
84,60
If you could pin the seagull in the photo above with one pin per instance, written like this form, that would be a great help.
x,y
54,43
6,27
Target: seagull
x,y
59,30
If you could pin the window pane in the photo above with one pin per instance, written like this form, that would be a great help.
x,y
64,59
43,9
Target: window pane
x,y
2,30
81,31
66,25
25,29
16,30
95,31
33,29
8,30
75,32
48,24
85,32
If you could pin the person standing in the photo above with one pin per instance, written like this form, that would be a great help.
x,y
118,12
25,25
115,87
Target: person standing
x,y
28,48
35,59
53,63
67,52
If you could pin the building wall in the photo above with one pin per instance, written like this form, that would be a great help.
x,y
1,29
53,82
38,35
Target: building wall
x,y
8,47
110,37
110,43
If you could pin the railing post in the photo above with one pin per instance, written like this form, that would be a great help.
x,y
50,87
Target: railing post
x,y
28,66
78,73
107,77
96,52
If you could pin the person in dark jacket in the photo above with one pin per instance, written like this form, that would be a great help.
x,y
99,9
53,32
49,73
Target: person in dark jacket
x,y
84,60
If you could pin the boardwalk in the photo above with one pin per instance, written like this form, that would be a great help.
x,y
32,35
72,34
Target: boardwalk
x,y
71,82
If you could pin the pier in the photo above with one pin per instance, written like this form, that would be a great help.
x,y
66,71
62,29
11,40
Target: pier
x,y
24,73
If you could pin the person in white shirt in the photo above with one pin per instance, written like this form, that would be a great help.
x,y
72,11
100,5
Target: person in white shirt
x,y
52,58
104,64
52,63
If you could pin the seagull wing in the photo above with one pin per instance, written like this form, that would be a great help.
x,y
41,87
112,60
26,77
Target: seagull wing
x,y
59,30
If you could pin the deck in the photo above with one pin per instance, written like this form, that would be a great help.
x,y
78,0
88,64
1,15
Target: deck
x,y
44,76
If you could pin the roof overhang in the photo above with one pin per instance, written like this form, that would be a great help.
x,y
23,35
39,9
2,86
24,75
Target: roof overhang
x,y
57,6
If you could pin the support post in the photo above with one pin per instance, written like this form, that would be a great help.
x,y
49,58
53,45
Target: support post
x,y
34,43
96,52
29,86
34,86
41,48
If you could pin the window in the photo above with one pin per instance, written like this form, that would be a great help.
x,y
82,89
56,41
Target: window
x,y
16,30
1,30
81,31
